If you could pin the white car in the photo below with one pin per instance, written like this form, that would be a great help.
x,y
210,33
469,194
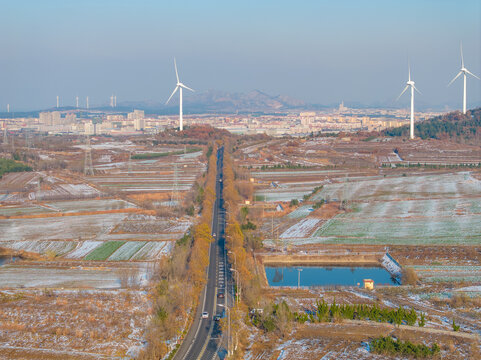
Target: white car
x,y
205,315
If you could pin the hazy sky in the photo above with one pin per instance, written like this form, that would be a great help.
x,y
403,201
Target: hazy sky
x,y
318,51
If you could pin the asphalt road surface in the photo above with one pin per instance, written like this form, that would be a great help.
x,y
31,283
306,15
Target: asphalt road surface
x,y
203,341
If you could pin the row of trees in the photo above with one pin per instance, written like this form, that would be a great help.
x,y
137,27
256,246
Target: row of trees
x,y
279,317
388,346
9,165
180,278
238,237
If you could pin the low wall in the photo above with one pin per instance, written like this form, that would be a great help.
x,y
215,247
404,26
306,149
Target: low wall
x,y
324,259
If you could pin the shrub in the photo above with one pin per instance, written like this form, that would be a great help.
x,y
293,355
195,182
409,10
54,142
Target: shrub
x,y
409,276
386,345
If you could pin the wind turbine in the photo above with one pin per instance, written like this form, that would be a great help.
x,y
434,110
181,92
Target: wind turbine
x,y
179,87
410,84
463,71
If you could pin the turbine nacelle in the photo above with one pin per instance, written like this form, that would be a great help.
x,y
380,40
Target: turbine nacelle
x,y
410,83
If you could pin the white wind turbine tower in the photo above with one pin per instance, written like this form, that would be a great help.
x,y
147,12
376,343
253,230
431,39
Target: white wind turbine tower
x,y
463,71
410,84
179,87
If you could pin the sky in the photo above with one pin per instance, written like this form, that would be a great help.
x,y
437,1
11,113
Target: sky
x,y
318,51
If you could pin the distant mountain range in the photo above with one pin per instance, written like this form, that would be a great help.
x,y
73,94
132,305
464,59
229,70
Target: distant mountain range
x,y
222,102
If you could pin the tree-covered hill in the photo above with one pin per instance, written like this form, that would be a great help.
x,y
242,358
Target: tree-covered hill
x,y
454,126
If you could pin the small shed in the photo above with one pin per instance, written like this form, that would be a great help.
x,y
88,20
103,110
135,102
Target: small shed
x,y
368,284
279,208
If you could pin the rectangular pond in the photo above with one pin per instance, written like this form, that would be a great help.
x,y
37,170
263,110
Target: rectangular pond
x,y
327,276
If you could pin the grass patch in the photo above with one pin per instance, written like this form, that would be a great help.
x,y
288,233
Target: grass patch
x,y
104,251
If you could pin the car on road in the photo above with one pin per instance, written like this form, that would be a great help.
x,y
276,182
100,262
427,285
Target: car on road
x,y
205,315
220,295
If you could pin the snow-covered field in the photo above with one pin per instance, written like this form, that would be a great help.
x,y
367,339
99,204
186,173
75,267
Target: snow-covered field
x,y
17,276
302,229
435,186
89,205
153,250
55,247
83,248
61,191
86,227
300,212
126,251
416,209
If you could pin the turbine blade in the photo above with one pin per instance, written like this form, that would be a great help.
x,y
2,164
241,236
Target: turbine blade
x,y
409,70
459,73
462,58
176,73
188,88
470,73
415,88
402,92
173,92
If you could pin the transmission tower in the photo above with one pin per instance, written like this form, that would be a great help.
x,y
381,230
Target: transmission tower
x,y
27,138
88,166
5,138
175,200
130,163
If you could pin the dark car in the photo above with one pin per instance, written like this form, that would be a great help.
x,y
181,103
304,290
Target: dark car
x,y
220,295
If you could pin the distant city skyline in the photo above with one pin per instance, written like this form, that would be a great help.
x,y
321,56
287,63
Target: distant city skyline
x,y
316,51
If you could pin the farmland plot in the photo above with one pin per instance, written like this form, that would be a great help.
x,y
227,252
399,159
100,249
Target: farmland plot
x,y
443,273
153,250
90,205
104,251
56,247
16,276
65,191
452,230
300,212
281,194
302,229
126,251
83,248
86,227
398,188
23,210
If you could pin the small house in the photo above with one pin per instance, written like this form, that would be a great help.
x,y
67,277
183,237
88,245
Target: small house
x,y
368,284
279,208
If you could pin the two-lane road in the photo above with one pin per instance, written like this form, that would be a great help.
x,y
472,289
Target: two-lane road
x,y
204,336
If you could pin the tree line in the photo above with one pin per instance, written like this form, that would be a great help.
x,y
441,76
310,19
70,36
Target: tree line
x,y
179,279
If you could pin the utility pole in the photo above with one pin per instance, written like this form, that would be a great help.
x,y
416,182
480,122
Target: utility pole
x,y
130,163
88,166
175,199
299,277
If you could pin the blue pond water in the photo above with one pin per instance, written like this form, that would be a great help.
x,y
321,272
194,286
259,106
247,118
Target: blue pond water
x,y
7,259
327,276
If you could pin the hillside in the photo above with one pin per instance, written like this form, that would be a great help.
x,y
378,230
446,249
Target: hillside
x,y
454,126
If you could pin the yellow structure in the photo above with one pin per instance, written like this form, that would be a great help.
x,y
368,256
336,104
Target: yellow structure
x,y
368,284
